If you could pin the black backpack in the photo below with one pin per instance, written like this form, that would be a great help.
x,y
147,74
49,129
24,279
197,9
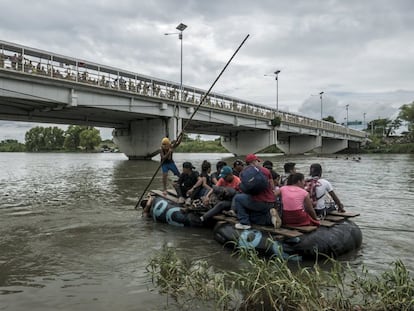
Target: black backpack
x,y
253,180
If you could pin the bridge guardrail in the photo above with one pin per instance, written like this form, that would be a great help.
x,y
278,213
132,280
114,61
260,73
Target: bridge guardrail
x,y
38,62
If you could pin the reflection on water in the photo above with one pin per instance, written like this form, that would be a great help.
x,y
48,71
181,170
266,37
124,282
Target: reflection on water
x,y
71,239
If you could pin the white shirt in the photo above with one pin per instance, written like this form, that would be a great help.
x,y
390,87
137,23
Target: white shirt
x,y
321,190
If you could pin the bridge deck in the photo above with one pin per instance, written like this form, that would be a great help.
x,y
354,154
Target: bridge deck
x,y
35,62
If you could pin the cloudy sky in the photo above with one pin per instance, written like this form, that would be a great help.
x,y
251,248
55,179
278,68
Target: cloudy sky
x,y
359,53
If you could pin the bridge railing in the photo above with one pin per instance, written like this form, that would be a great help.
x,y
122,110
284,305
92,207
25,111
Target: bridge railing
x,y
38,62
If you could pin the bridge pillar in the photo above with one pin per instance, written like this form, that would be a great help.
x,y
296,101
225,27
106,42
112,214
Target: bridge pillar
x,y
330,146
245,142
299,144
143,137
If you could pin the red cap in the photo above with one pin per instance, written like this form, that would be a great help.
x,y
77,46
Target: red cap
x,y
252,157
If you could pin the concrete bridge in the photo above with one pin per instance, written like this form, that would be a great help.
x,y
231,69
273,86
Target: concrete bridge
x,y
40,86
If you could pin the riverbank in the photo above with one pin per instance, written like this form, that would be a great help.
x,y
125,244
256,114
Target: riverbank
x,y
273,284
214,146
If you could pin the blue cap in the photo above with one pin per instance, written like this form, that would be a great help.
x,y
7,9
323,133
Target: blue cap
x,y
226,170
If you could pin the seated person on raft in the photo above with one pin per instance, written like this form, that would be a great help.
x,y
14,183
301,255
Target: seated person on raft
x,y
206,178
256,208
215,175
238,166
220,199
188,184
322,188
289,168
224,190
297,205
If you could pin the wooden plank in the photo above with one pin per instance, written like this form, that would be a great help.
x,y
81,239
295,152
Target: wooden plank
x,y
168,196
346,214
305,229
282,231
172,192
231,220
334,218
327,223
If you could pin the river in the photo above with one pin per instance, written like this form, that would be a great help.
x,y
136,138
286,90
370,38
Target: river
x,y
70,238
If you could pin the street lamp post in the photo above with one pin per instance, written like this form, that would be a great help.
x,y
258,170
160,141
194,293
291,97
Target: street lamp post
x,y
277,89
347,115
320,95
364,125
181,27
276,73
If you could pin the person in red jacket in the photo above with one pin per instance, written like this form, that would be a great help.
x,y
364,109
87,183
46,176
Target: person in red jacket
x,y
258,208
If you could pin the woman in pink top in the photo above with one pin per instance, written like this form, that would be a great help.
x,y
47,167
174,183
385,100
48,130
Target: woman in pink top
x,y
297,205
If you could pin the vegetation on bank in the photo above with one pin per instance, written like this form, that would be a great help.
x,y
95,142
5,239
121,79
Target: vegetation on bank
x,y
11,145
272,284
197,145
44,139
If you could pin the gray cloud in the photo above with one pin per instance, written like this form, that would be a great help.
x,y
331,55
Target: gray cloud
x,y
358,52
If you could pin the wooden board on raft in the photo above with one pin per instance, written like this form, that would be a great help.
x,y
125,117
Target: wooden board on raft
x,y
346,214
305,229
327,223
282,231
172,192
167,196
334,218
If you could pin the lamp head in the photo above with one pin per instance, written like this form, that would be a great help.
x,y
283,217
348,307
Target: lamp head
x,y
181,27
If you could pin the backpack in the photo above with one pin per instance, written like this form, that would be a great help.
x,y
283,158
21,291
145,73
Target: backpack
x,y
253,180
310,186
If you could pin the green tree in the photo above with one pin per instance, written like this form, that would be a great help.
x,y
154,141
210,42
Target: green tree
x,y
53,138
90,138
72,137
34,139
330,119
407,114
383,127
11,145
44,139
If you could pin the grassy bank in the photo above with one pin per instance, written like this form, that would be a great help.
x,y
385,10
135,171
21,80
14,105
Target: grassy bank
x,y
390,148
213,146
272,284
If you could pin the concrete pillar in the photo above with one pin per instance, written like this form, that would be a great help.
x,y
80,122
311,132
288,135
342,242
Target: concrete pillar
x,y
299,144
330,146
143,137
245,142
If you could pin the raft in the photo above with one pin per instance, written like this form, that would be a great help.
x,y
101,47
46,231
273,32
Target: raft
x,y
332,241
336,236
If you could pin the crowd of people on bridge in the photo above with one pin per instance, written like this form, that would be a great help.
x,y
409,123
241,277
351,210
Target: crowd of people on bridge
x,y
251,190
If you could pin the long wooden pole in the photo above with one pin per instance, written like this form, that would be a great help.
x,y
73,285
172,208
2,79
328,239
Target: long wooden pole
x,y
192,116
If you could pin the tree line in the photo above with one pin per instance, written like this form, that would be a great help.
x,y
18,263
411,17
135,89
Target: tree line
x,y
54,138
88,138
385,127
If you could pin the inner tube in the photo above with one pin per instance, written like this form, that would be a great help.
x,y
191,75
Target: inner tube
x,y
163,210
263,242
330,241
